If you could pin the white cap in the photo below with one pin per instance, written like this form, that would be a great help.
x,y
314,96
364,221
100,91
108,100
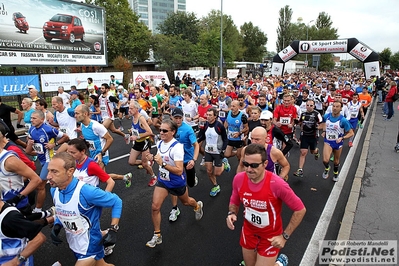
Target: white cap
x,y
31,87
266,115
120,87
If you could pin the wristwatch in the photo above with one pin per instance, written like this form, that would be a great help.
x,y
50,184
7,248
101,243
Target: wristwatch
x,y
286,236
163,165
230,213
102,153
21,259
114,227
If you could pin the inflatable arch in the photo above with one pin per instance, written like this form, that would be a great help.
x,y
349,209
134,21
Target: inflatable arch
x,y
352,46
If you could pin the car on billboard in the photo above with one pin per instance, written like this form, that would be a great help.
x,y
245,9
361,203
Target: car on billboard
x,y
64,27
20,22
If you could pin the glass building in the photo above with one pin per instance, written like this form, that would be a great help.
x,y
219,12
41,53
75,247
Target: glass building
x,y
153,12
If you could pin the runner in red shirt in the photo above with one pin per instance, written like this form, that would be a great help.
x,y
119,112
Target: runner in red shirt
x,y
284,115
203,107
230,91
262,194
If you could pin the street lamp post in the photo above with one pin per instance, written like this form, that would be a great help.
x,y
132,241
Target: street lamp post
x,y
307,38
221,40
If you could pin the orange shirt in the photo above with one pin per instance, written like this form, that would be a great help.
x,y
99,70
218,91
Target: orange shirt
x,y
144,104
365,99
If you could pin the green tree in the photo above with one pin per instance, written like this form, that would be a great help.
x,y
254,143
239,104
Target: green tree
x,y
394,61
385,56
232,40
284,37
254,42
126,36
181,23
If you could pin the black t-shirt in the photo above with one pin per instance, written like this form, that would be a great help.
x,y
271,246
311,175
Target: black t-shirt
x,y
5,113
15,225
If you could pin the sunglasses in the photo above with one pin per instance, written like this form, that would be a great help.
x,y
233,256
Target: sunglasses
x,y
164,130
252,165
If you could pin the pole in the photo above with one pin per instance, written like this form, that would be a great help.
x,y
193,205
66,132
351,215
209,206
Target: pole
x,y
221,40
307,39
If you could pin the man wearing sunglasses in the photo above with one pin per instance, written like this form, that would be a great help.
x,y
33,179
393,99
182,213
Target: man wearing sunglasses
x,y
262,194
309,121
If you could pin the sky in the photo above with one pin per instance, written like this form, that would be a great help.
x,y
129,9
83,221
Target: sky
x,y
374,23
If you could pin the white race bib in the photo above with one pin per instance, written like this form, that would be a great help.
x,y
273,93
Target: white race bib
x,y
363,101
201,124
353,114
344,100
102,108
27,126
222,114
187,115
164,174
231,134
211,148
92,145
332,136
74,224
285,120
257,218
63,130
37,147
135,132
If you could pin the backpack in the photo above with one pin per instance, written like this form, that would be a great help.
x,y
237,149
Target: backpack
x,y
395,97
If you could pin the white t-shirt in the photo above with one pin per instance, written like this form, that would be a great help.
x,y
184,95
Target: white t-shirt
x,y
65,99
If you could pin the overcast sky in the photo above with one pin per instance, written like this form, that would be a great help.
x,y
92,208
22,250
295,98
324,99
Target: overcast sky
x,y
374,23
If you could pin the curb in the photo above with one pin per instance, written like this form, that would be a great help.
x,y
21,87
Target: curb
x,y
351,206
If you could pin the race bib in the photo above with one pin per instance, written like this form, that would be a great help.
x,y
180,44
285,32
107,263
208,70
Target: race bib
x,y
332,136
63,130
135,132
201,124
164,174
257,218
92,145
363,101
27,126
231,134
222,114
285,120
187,115
211,148
37,147
353,114
74,224
344,100
102,108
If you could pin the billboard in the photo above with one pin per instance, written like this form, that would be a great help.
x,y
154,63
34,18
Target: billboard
x,y
154,76
51,82
52,33
17,85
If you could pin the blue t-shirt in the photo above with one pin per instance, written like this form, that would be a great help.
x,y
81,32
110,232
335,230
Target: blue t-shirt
x,y
186,136
75,103
27,115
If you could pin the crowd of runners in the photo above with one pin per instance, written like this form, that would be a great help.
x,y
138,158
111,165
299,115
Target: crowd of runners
x,y
253,120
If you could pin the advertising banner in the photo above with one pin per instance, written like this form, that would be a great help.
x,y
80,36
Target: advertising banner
x,y
17,85
51,82
152,76
372,69
193,73
325,46
232,73
287,53
52,33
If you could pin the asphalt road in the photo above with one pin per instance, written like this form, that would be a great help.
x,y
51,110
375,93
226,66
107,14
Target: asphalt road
x,y
204,242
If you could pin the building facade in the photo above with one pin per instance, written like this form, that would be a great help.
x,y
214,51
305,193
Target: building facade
x,y
154,12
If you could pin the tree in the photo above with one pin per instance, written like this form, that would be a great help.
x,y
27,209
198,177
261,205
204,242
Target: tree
x,y
123,64
254,42
232,40
181,23
394,61
385,56
284,37
126,36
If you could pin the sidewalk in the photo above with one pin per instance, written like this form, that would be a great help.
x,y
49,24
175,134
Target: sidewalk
x,y
372,209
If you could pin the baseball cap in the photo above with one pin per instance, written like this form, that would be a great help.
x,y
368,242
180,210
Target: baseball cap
x,y
31,87
177,112
73,92
266,115
120,87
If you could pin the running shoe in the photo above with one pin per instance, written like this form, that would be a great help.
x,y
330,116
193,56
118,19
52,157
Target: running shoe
x,y
153,181
332,158
199,213
242,263
317,155
214,191
202,161
384,115
121,128
325,173
155,240
335,178
174,213
350,144
195,181
226,165
282,260
397,147
299,173
34,158
108,250
50,212
140,166
127,138
128,179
